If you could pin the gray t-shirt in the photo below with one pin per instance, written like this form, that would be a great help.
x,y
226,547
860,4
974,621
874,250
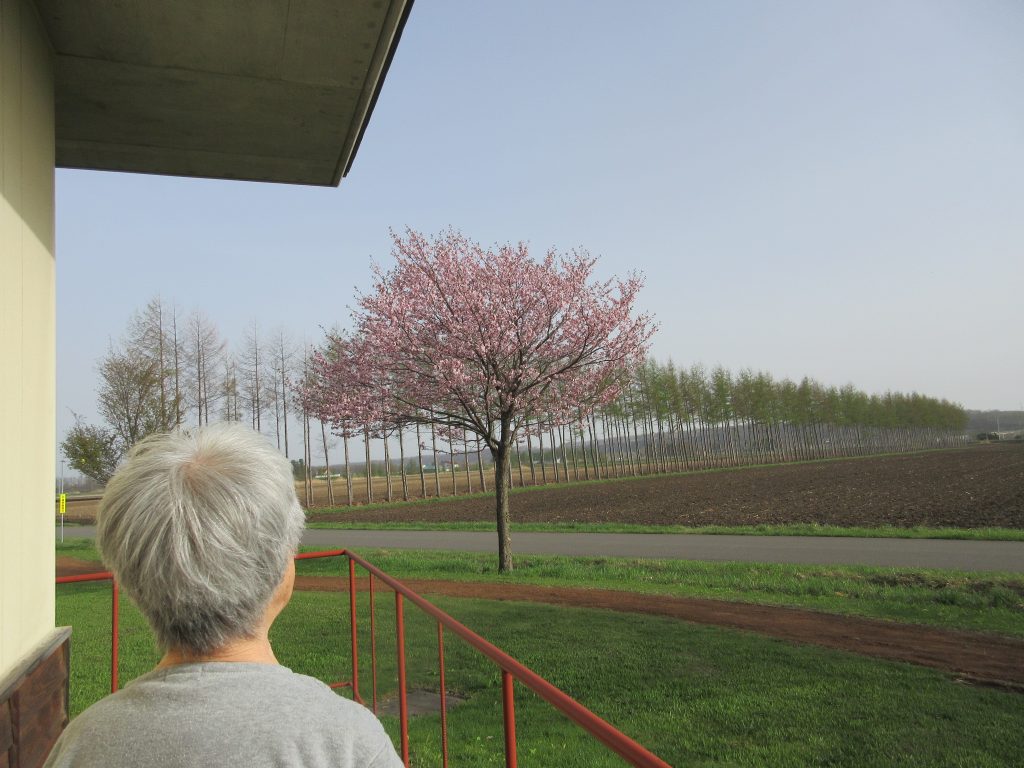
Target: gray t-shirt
x,y
225,713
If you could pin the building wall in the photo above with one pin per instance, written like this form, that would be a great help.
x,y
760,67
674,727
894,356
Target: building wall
x,y
27,336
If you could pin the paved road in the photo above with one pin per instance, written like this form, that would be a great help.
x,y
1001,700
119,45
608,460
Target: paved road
x,y
908,553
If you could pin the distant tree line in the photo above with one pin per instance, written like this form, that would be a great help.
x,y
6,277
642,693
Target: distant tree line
x,y
171,370
679,419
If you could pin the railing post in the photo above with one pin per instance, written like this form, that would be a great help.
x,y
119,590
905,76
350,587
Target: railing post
x,y
352,621
403,706
508,706
444,697
373,646
114,634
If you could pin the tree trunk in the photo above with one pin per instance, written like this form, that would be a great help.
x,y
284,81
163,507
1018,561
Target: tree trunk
x,y
583,450
519,461
540,444
595,449
572,446
327,462
177,370
348,467
529,451
284,401
369,467
437,472
451,460
387,465
554,457
308,451
561,445
277,416
480,466
401,458
419,459
502,469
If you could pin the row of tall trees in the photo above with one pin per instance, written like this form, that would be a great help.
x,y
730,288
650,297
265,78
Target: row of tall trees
x,y
664,420
696,418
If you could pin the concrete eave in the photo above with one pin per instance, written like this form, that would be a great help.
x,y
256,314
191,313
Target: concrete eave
x,y
259,90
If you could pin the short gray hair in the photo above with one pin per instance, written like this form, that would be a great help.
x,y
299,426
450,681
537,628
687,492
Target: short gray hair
x,y
198,526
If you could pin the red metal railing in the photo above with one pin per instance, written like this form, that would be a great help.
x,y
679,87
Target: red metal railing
x,y
511,670
114,615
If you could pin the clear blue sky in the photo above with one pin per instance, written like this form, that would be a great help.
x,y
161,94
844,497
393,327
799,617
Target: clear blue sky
x,y
833,189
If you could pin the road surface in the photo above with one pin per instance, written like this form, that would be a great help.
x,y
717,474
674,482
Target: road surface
x,y
808,550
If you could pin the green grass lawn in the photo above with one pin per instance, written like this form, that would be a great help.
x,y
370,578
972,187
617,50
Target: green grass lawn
x,y
694,695
987,602
953,599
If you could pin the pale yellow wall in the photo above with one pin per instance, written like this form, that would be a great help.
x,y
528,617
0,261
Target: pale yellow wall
x,y
27,342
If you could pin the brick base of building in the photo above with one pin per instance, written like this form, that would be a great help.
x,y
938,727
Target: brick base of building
x,y
34,703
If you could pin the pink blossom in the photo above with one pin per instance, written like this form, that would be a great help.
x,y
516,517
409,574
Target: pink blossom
x,y
486,341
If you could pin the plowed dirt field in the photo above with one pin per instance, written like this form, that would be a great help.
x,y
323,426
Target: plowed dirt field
x,y
974,487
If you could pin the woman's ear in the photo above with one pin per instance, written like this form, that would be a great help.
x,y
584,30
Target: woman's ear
x,y
283,593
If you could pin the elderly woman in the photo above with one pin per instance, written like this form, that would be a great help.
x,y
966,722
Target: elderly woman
x,y
199,528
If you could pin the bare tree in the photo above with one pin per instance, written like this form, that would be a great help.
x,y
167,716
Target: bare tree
x,y
205,358
282,365
253,365
231,409
130,403
152,333
129,396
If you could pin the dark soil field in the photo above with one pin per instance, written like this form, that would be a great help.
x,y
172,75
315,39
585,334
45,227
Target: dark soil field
x,y
976,487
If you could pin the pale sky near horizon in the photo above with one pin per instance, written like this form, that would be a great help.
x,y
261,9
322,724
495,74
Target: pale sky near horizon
x,y
831,189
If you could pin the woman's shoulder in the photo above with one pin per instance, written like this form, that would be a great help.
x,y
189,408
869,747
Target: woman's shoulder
x,y
267,687
198,707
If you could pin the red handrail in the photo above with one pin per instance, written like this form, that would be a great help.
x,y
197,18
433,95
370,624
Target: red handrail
x,y
604,732
511,670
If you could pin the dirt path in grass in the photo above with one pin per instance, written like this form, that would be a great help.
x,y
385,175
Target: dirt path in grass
x,y
72,566
970,657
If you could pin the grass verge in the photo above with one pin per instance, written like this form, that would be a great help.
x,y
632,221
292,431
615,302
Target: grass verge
x,y
985,602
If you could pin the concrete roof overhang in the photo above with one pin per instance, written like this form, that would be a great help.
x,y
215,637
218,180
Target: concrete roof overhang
x,y
262,90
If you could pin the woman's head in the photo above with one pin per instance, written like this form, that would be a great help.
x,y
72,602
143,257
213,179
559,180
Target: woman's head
x,y
198,527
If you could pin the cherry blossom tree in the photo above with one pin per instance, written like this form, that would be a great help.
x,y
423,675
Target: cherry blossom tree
x,y
483,341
